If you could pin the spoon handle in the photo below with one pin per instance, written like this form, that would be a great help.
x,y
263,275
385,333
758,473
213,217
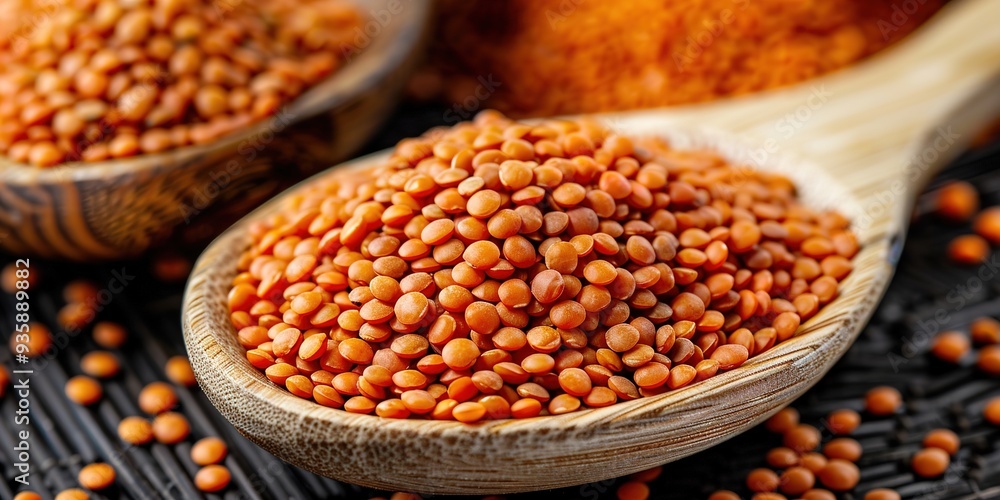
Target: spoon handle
x,y
880,128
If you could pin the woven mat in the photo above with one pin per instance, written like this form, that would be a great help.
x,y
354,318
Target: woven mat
x,y
65,436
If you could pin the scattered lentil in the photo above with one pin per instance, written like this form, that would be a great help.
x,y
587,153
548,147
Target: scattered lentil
x,y
209,450
72,494
135,430
212,478
109,335
843,448
985,331
882,401
882,494
170,428
944,439
930,462
157,397
83,390
950,346
968,250
178,370
839,475
989,359
97,476
99,364
783,421
843,421
957,201
991,412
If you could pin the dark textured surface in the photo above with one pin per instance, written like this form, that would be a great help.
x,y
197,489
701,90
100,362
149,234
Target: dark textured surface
x,y
891,351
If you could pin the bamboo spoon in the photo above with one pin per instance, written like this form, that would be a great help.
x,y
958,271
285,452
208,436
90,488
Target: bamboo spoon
x,y
847,140
119,208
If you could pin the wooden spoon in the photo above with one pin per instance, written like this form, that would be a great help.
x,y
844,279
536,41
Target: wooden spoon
x,y
848,140
119,208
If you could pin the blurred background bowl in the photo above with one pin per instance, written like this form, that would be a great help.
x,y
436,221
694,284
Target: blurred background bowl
x,y
119,208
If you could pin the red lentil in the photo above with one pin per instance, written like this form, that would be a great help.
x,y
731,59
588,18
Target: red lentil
x,y
96,476
178,370
212,478
796,480
99,364
839,475
4,380
950,346
987,225
989,360
843,421
157,398
633,490
135,430
445,272
985,331
843,448
72,494
882,494
802,438
883,400
783,421
170,428
930,462
760,480
782,458
992,411
83,390
724,495
813,461
207,451
957,201
968,250
944,439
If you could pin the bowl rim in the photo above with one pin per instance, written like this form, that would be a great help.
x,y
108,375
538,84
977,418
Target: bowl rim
x,y
249,381
374,62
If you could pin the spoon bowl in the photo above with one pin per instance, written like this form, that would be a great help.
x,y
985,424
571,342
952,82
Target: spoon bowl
x,y
854,151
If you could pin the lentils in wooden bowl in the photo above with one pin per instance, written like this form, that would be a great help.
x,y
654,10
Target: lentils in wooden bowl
x,y
500,270
100,79
124,120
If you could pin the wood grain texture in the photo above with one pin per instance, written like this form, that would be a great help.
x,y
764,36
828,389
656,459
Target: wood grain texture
x,y
846,154
118,208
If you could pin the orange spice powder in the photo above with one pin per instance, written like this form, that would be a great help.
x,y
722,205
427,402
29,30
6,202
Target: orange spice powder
x,y
548,57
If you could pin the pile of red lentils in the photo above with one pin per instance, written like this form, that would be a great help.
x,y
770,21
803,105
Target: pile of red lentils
x,y
89,80
499,269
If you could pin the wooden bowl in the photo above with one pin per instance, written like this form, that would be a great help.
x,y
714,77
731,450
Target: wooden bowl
x,y
118,208
852,151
